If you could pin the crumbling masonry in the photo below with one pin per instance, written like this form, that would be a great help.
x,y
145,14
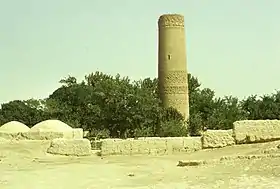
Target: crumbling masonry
x,y
172,63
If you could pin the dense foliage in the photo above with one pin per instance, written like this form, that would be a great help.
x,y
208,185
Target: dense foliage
x,y
117,107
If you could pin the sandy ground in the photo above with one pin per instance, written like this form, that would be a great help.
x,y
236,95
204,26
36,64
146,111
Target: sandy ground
x,y
24,165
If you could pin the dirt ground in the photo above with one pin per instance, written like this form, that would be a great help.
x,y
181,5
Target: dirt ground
x,y
24,165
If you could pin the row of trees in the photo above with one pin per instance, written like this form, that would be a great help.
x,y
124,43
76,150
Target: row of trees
x,y
110,106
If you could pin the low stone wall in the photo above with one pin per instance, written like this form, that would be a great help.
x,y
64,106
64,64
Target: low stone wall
x,y
251,131
248,131
164,146
217,138
70,147
148,146
43,135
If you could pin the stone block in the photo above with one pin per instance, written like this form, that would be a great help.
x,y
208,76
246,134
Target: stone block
x,y
157,146
217,138
124,147
140,147
110,146
70,147
192,144
253,131
148,145
174,144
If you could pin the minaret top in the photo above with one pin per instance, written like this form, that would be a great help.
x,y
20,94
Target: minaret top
x,y
171,20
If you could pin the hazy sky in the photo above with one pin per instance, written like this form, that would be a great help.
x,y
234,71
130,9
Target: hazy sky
x,y
233,47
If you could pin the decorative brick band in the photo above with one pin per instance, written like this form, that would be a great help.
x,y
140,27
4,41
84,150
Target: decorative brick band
x,y
171,20
175,78
177,102
175,89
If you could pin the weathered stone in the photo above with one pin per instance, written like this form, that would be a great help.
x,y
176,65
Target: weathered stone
x,y
140,146
148,145
192,144
174,144
110,146
43,135
251,131
70,147
191,163
157,146
124,147
217,138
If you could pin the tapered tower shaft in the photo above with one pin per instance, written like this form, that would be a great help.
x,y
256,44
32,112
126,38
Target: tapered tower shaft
x,y
172,63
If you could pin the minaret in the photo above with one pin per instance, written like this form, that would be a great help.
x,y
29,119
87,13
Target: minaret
x,y
172,63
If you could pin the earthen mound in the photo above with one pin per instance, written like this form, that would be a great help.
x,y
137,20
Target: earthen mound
x,y
51,126
14,127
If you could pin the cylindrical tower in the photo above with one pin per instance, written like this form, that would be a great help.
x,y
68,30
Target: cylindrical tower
x,y
172,63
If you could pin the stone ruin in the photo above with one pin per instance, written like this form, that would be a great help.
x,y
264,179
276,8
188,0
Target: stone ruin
x,y
243,132
64,140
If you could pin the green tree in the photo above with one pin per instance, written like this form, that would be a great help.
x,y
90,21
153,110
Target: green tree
x,y
207,111
106,103
265,107
115,106
27,112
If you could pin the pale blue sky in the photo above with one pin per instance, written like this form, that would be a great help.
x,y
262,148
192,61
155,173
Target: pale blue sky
x,y
233,46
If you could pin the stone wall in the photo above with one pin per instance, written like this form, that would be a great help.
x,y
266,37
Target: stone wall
x,y
70,147
217,138
76,133
252,131
148,145
248,131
